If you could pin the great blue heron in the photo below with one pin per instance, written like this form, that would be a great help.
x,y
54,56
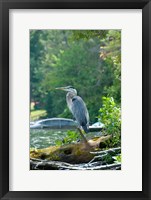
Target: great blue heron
x,y
77,107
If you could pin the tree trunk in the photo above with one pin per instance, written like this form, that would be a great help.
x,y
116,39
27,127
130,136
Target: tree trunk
x,y
71,153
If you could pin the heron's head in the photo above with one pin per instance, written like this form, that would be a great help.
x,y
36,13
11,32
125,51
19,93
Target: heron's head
x,y
68,89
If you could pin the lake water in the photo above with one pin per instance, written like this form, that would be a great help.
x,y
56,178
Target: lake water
x,y
40,138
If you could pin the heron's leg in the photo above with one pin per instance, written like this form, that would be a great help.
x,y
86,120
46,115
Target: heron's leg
x,y
83,137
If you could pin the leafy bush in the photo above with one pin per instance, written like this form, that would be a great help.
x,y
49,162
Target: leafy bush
x,y
110,116
72,136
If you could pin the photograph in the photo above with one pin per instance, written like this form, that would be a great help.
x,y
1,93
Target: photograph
x,y
75,99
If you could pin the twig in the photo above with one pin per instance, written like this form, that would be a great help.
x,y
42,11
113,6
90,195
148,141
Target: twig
x,y
106,151
100,157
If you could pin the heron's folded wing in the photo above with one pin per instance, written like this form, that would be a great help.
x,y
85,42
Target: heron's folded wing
x,y
80,111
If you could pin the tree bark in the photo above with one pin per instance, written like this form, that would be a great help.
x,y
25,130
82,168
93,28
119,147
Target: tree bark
x,y
71,153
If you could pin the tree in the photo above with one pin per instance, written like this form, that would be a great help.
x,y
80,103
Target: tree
x,y
88,60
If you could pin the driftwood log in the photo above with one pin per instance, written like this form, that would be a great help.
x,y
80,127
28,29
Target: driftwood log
x,y
37,164
81,152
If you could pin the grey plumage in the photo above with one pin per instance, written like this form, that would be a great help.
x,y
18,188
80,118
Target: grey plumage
x,y
77,107
79,111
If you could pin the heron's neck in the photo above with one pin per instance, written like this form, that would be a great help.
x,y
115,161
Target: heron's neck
x,y
71,95
69,98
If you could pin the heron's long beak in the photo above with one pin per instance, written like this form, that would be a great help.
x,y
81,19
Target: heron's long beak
x,y
61,88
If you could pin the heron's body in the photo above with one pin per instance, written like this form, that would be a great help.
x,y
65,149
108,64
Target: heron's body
x,y
77,107
79,110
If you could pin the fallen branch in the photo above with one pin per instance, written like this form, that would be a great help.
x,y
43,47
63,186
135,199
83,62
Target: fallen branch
x,y
113,150
101,155
70,153
43,164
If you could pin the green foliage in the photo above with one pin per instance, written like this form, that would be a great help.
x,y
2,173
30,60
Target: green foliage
x,y
58,142
117,158
107,159
49,104
37,114
88,34
110,52
89,60
36,72
71,137
110,115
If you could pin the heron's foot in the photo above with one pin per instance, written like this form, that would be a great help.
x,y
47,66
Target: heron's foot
x,y
78,140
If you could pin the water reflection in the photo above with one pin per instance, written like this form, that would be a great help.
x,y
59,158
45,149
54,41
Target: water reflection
x,y
40,138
